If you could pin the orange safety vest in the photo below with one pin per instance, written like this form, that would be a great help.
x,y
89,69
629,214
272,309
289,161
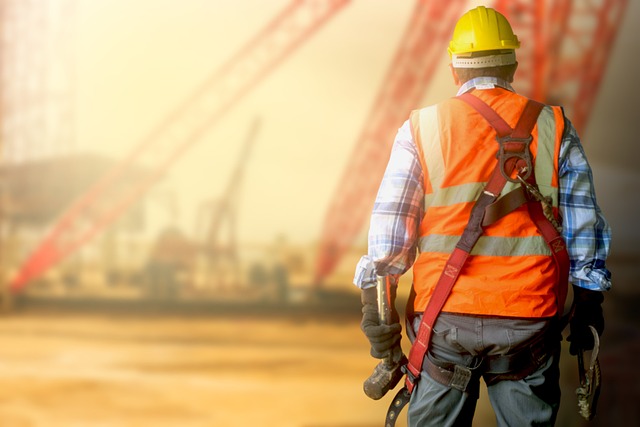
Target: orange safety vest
x,y
511,271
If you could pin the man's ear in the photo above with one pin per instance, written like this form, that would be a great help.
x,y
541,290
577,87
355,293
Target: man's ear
x,y
513,73
456,79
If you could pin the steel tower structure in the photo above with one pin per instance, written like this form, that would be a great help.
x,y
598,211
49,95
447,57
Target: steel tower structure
x,y
37,98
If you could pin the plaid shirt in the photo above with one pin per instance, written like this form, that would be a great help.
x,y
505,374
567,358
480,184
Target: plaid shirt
x,y
398,210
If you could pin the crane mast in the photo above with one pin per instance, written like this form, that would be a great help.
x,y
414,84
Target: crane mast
x,y
585,55
569,48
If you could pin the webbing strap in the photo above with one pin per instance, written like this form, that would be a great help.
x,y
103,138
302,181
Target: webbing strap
x,y
473,231
504,206
501,127
513,144
556,243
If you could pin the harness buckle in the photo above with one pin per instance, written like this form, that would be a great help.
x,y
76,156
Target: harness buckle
x,y
514,149
411,378
461,377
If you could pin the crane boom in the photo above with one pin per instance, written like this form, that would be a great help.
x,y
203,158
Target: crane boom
x,y
409,74
112,195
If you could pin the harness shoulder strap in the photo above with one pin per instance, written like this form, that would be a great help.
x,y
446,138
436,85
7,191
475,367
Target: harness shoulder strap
x,y
501,127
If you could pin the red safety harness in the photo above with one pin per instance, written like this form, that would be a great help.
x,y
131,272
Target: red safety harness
x,y
513,156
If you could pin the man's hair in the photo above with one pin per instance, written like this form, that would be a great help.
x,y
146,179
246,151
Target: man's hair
x,y
504,72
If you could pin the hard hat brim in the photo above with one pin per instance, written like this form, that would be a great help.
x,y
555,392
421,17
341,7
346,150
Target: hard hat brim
x,y
486,61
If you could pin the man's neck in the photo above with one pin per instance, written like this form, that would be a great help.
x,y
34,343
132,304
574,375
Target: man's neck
x,y
484,83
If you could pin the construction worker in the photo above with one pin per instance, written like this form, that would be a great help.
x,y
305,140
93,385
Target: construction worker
x,y
500,320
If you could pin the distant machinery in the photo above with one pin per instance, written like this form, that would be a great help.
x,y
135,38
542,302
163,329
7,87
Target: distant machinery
x,y
571,72
211,262
173,262
218,247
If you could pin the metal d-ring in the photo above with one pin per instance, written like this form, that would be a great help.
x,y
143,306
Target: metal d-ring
x,y
504,155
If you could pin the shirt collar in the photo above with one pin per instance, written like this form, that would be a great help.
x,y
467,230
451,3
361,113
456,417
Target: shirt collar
x,y
484,83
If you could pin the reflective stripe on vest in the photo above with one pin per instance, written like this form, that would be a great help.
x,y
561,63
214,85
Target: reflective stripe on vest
x,y
450,195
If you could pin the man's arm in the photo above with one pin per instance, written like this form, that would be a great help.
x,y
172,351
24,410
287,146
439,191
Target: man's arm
x,y
588,237
586,231
396,214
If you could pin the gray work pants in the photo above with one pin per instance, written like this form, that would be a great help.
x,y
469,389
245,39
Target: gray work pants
x,y
463,340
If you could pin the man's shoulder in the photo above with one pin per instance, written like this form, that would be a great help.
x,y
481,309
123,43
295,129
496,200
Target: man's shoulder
x,y
431,107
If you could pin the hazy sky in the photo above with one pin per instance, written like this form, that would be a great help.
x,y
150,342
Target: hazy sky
x,y
137,60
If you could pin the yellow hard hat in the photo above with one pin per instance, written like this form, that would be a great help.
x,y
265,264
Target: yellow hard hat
x,y
483,29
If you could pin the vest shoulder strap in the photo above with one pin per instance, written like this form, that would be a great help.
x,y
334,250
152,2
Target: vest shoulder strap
x,y
525,124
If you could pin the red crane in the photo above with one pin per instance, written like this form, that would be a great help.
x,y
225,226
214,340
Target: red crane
x,y
565,48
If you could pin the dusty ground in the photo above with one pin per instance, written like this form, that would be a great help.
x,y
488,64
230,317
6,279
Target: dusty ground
x,y
109,369
99,370
102,370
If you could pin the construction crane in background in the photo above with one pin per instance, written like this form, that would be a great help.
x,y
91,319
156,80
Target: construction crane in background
x,y
173,261
112,195
219,249
565,49
409,76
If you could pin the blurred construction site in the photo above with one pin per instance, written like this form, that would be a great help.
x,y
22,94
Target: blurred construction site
x,y
185,190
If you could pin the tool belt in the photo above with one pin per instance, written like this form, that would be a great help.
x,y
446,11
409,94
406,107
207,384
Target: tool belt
x,y
512,367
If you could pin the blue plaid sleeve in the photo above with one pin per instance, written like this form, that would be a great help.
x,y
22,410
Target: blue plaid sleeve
x,y
586,232
397,211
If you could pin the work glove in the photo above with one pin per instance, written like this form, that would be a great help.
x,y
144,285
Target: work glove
x,y
587,312
382,337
